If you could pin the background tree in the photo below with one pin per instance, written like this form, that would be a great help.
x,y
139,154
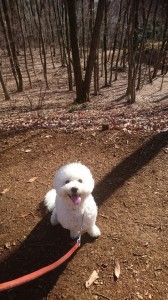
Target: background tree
x,y
7,97
53,41
12,46
83,86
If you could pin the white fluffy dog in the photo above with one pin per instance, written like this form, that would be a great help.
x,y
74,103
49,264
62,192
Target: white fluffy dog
x,y
71,202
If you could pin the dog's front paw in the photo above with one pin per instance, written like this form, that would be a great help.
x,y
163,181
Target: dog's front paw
x,y
94,231
74,234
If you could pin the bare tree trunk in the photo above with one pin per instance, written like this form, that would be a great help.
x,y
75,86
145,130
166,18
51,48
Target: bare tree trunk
x,y
8,48
164,67
69,69
83,38
115,42
121,41
71,6
24,43
52,31
58,30
28,33
12,46
164,42
83,87
153,38
139,62
102,62
61,33
96,75
125,50
93,48
91,26
7,97
44,60
132,47
105,43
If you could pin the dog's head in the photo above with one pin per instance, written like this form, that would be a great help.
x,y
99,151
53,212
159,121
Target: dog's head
x,y
74,183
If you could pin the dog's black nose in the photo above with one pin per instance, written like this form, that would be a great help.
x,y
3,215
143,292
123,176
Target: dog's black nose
x,y
74,190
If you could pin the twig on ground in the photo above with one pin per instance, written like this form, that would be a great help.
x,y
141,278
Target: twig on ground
x,y
101,295
103,216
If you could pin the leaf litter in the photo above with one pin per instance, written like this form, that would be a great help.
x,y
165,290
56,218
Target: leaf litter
x,y
148,114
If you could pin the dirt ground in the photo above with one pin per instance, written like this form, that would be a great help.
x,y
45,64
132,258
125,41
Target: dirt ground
x,y
40,130
130,172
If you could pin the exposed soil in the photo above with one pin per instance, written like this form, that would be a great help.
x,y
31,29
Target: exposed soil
x,y
41,130
131,191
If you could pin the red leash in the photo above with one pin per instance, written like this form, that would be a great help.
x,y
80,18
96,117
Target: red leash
x,y
29,277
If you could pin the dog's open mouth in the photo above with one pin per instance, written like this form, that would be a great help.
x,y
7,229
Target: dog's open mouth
x,y
76,199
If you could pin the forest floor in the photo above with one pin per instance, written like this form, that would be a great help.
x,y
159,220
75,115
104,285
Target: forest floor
x,y
129,164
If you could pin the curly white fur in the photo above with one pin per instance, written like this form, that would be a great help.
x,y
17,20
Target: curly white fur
x,y
71,202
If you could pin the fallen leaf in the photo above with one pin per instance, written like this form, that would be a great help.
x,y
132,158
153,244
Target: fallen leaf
x,y
4,191
8,245
32,179
139,296
165,150
92,279
116,269
116,146
27,150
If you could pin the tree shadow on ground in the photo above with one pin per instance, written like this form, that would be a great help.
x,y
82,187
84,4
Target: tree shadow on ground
x,y
129,166
13,133
161,99
45,243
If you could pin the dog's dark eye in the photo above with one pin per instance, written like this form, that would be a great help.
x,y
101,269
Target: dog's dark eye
x,y
80,180
67,181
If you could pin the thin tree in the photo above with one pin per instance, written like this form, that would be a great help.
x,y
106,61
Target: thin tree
x,y
153,38
71,7
121,43
12,45
60,12
105,43
6,94
164,42
68,60
132,48
24,42
83,37
115,41
39,8
28,31
141,47
8,48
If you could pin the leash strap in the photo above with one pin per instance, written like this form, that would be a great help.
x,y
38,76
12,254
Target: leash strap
x,y
34,275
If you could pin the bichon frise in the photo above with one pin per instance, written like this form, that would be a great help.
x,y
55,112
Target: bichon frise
x,y
71,202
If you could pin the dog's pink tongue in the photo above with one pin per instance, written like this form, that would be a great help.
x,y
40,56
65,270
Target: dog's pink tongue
x,y
76,199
